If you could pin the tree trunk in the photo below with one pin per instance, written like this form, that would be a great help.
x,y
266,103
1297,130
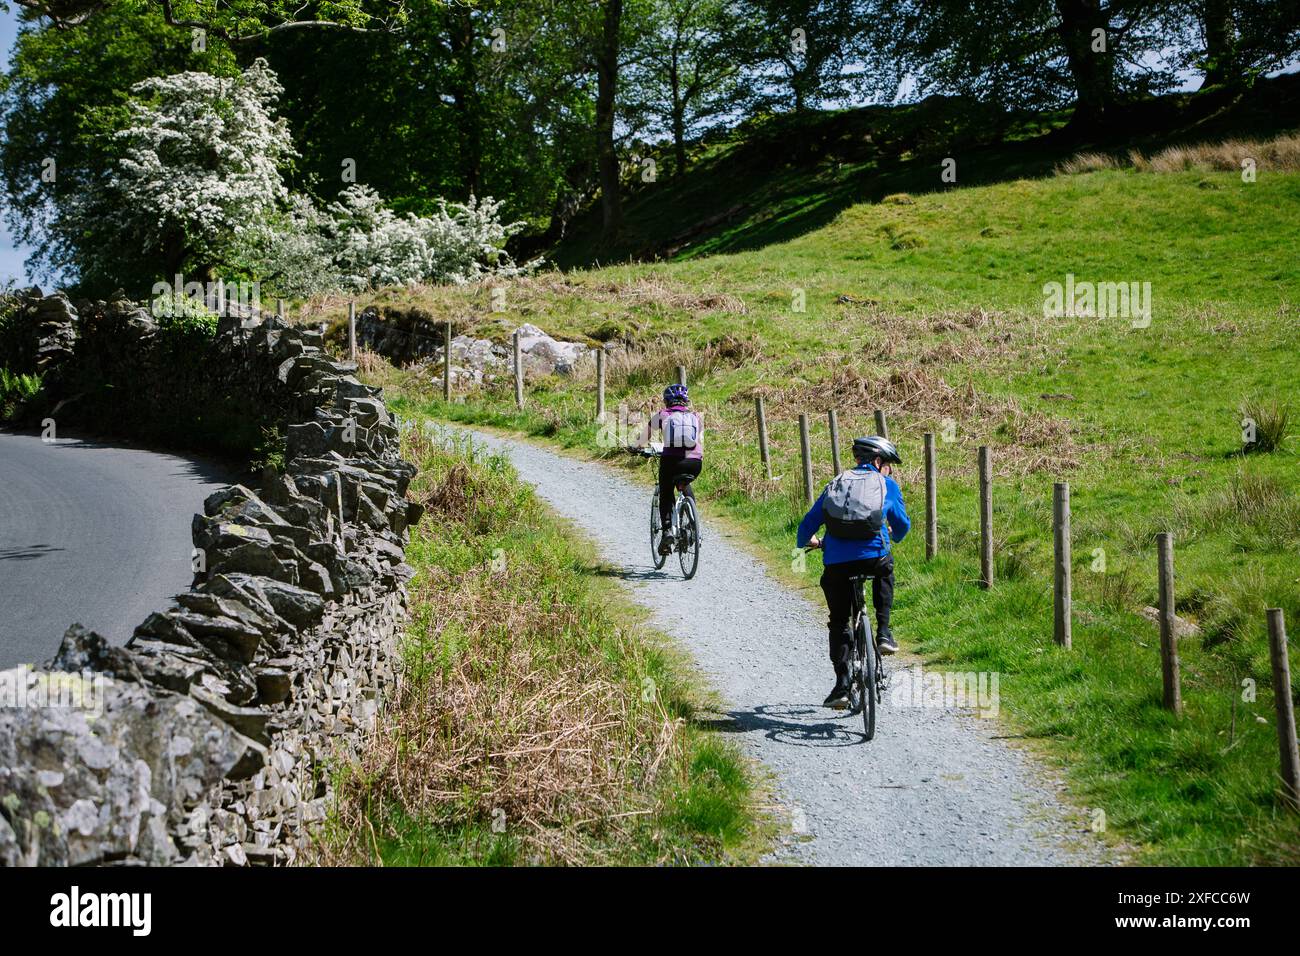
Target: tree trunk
x,y
1093,72
1216,19
606,90
465,99
679,122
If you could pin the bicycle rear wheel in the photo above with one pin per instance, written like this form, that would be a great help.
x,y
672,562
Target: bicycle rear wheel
x,y
867,671
688,538
656,533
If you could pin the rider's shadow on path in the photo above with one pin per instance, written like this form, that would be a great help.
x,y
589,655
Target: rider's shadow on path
x,y
784,723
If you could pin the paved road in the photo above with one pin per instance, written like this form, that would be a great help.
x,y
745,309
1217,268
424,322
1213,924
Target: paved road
x,y
90,532
935,787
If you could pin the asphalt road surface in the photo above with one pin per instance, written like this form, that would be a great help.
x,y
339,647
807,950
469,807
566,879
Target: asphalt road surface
x,y
91,532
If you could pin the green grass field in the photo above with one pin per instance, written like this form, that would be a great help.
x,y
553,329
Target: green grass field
x,y
932,309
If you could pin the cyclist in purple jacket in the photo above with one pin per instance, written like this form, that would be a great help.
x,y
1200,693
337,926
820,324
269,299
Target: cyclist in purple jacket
x,y
844,558
683,451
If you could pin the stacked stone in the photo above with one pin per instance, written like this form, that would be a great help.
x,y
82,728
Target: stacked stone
x,y
222,710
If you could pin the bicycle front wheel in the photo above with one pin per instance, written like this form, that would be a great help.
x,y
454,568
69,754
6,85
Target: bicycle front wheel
x,y
688,540
656,533
867,674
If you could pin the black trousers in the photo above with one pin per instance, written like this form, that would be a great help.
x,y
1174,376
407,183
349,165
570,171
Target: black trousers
x,y
839,600
669,469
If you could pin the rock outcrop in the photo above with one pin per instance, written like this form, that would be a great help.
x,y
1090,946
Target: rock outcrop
x,y
406,339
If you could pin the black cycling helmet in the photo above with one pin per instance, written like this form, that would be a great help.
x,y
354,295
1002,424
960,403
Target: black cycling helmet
x,y
873,446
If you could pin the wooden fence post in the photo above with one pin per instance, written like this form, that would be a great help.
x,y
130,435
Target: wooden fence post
x,y
600,383
931,501
352,331
986,518
762,436
882,428
279,307
835,439
519,371
805,450
1169,668
681,375
446,361
1061,630
1286,733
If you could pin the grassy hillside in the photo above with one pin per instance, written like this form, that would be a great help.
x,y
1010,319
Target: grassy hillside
x,y
775,178
931,308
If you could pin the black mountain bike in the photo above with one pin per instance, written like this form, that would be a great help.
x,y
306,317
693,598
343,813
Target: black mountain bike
x,y
867,677
684,531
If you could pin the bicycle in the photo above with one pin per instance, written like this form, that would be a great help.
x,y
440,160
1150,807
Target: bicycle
x,y
866,671
867,683
684,528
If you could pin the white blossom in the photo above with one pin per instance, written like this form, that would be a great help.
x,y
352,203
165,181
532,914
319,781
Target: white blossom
x,y
202,156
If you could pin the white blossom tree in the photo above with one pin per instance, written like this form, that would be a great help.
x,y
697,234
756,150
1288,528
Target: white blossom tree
x,y
357,242
197,183
200,163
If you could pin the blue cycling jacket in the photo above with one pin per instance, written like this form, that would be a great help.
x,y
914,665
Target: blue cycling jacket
x,y
839,550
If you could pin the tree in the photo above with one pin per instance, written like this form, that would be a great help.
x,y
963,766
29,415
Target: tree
x,y
200,162
685,68
607,53
1030,54
233,20
60,104
811,51
1232,41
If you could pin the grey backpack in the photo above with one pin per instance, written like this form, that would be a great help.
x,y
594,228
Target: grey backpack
x,y
681,429
854,507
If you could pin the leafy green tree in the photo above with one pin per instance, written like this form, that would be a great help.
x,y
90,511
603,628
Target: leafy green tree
x,y
810,52
1233,41
61,103
685,69
1031,54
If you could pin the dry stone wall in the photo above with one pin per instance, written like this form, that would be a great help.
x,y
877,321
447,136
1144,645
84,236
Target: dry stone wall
x,y
208,738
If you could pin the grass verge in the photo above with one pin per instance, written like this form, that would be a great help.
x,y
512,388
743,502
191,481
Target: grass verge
x,y
539,721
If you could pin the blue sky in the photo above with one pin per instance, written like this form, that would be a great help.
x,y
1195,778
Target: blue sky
x,y
11,259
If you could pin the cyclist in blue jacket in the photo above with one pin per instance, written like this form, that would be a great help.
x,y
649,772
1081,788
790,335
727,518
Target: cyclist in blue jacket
x,y
844,558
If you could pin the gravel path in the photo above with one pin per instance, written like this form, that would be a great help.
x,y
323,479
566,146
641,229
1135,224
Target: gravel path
x,y
956,795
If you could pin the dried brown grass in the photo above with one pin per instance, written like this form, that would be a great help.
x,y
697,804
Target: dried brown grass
x,y
1086,163
1027,441
643,290
653,363
502,729
1280,154
509,705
